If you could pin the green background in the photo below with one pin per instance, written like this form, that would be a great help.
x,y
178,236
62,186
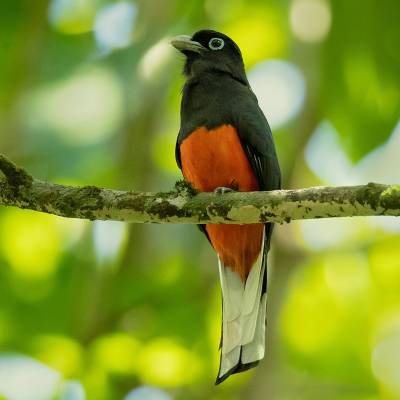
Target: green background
x,y
89,94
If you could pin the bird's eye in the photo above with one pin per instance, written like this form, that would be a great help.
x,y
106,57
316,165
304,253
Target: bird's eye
x,y
216,44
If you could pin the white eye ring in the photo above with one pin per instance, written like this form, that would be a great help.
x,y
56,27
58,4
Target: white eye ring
x,y
216,43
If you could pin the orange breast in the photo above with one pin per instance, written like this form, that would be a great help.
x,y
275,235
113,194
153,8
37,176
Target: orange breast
x,y
215,158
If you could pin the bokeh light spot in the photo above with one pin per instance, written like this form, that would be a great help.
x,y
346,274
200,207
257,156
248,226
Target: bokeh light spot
x,y
73,16
72,390
385,362
259,33
31,243
60,353
310,317
148,393
108,237
385,264
326,158
280,89
155,60
117,353
164,362
114,25
24,378
97,382
347,275
83,109
310,20
383,163
223,10
320,235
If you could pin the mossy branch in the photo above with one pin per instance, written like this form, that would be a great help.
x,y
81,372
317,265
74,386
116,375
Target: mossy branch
x,y
182,205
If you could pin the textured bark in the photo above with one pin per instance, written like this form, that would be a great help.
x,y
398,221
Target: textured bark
x,y
183,205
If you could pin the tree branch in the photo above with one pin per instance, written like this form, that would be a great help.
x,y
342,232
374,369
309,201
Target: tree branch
x,y
183,205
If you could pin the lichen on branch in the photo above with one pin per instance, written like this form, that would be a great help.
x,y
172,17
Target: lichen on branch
x,y
15,176
183,205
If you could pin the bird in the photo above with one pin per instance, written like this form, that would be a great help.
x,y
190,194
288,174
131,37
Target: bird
x,y
225,144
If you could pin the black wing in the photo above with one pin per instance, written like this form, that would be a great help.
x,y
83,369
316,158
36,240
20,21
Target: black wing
x,y
257,141
258,144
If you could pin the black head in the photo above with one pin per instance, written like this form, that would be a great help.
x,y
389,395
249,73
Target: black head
x,y
208,50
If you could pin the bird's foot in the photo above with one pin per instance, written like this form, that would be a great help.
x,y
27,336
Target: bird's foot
x,y
223,190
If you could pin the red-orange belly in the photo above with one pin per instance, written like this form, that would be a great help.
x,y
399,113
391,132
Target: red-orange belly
x,y
215,158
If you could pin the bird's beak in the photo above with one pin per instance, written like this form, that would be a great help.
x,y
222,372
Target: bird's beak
x,y
185,43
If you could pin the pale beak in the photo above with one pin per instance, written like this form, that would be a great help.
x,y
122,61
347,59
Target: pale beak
x,y
185,43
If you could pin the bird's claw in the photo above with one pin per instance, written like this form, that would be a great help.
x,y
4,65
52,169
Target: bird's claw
x,y
222,190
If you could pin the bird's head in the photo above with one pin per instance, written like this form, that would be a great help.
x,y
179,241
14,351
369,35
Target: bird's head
x,y
208,50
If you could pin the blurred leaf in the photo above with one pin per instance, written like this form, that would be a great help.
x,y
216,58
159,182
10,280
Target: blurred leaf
x,y
361,74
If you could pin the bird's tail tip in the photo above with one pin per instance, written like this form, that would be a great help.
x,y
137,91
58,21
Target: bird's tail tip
x,y
235,370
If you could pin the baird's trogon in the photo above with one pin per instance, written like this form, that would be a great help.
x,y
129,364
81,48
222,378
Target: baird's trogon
x,y
225,143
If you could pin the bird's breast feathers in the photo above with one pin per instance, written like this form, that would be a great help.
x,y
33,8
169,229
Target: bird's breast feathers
x,y
215,158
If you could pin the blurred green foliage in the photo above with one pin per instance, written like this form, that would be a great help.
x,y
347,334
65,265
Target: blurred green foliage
x,y
89,94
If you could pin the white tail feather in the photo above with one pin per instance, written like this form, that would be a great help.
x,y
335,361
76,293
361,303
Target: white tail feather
x,y
256,349
243,316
